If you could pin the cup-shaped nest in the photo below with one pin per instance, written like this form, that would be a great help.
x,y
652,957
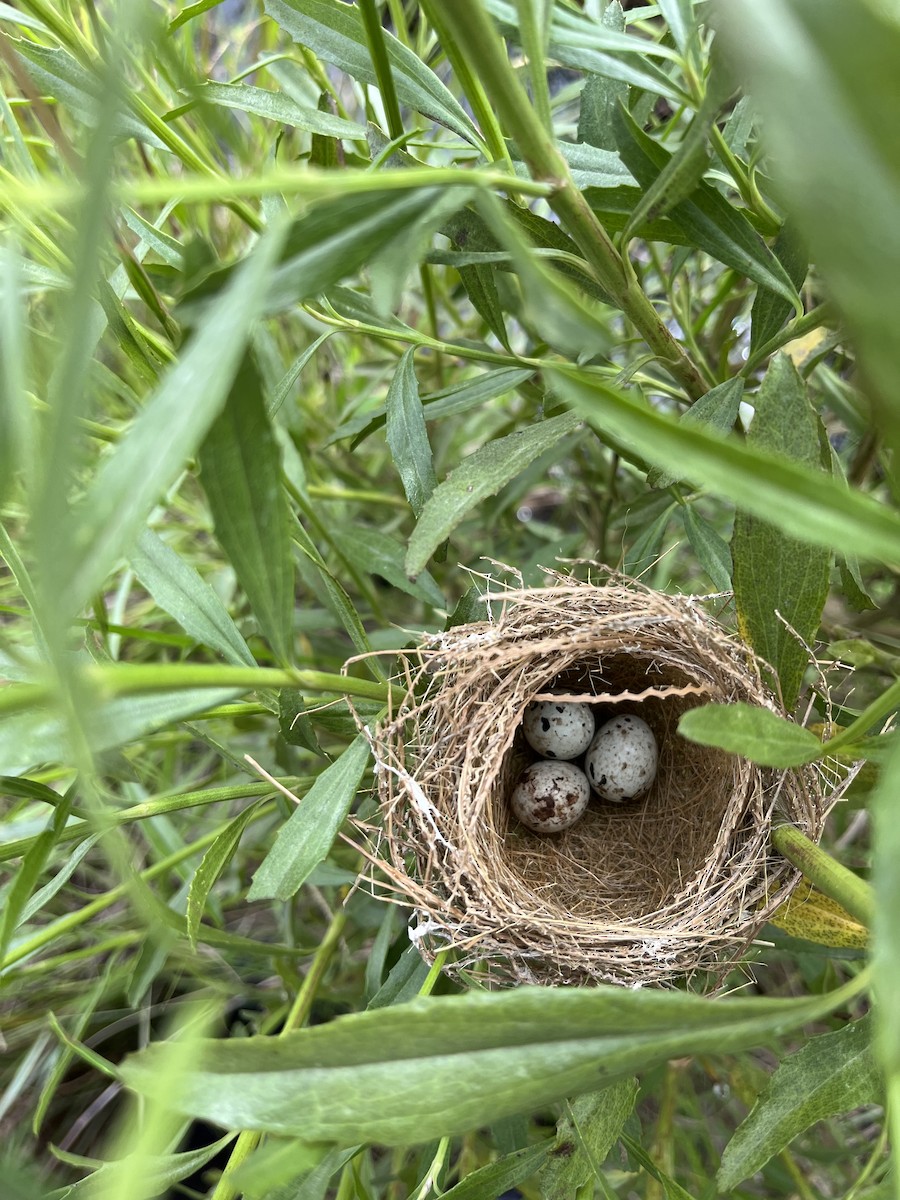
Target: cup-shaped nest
x,y
638,893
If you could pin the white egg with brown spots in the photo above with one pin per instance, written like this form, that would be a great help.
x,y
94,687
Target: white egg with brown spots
x,y
622,758
558,730
550,796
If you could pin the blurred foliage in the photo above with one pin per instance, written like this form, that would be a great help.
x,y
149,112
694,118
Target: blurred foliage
x,y
311,314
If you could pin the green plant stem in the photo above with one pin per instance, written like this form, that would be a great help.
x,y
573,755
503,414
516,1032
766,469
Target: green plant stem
x,y
471,85
249,1139
473,31
797,328
378,50
41,196
829,876
886,703
144,678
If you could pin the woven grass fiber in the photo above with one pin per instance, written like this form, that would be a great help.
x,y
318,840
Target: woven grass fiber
x,y
638,893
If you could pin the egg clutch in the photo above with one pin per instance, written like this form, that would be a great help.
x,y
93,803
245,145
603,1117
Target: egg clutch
x,y
620,760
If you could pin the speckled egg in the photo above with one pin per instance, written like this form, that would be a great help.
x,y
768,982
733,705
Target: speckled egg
x,y
621,759
550,796
558,730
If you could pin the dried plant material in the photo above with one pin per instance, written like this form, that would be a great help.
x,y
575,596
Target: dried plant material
x,y
638,893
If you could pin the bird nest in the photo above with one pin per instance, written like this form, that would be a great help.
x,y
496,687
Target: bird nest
x,y
638,893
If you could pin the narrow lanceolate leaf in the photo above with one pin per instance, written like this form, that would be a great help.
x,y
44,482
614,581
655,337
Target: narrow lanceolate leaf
x,y
211,866
585,1134
600,95
500,1177
780,583
334,31
482,474
168,431
379,554
684,171
824,75
57,74
179,590
330,241
718,410
798,500
448,1064
712,550
407,436
159,1173
307,837
30,871
241,474
770,311
707,217
831,1074
276,106
753,732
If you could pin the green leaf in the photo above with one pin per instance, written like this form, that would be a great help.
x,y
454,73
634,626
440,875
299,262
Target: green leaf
x,y
711,550
770,311
407,436
457,398
178,589
672,1189
684,171
276,106
779,579
447,1064
599,96
482,474
376,552
585,1134
240,467
679,15
331,240
304,841
59,76
211,866
643,553
707,217
481,288
159,1172
334,31
718,410
167,432
831,1074
30,871
580,42
824,76
501,1176
803,503
38,736
753,732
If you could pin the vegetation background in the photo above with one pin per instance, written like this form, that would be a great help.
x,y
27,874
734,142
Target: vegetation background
x,y
309,311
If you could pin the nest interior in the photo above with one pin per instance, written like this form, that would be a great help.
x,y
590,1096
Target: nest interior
x,y
633,893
